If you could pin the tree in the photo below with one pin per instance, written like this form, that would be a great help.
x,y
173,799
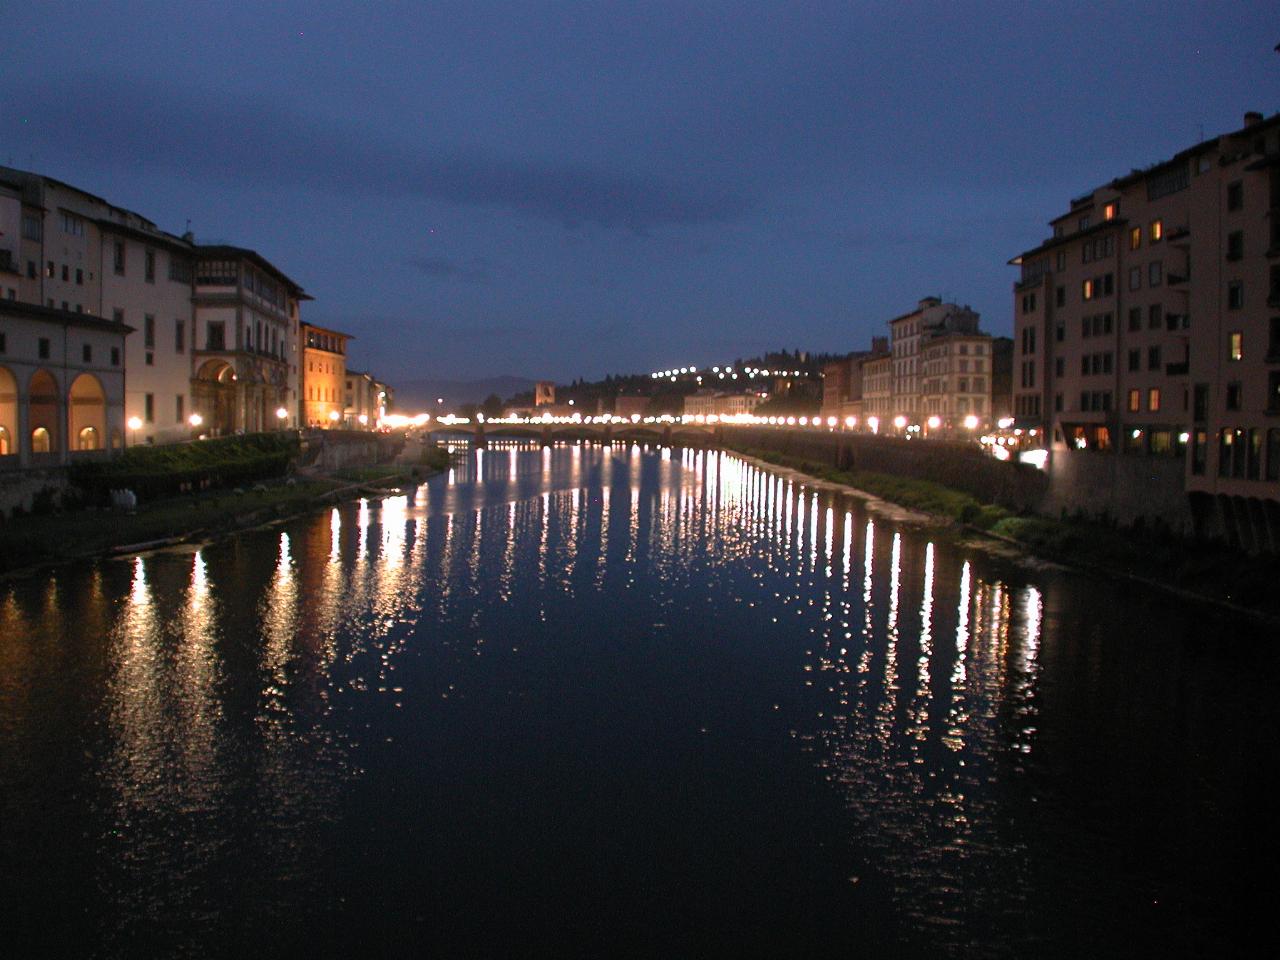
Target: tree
x,y
492,406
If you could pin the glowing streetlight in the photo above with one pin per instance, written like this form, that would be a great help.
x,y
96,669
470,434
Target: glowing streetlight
x,y
134,424
873,424
899,421
364,420
934,423
831,421
850,422
333,416
282,414
971,422
195,420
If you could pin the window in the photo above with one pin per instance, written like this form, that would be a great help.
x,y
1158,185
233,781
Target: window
x,y
79,277
2,342
1087,290
1060,332
1060,296
1028,302
115,356
1235,195
1109,211
1233,395
179,269
1135,398
1057,402
32,227
1108,284
1235,345
1199,452
149,331
42,348
1153,399
1155,316
149,408
1135,318
179,413
1062,260
1155,273
1135,360
1153,358
73,225
31,269
1058,366
118,257
149,266
1135,278
86,353
1273,391
1156,232
1200,403
49,270
217,336
1255,454
179,337
1135,238
1235,245
1083,223
1235,295
66,273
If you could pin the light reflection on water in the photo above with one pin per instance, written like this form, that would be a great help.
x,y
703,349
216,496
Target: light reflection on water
x,y
268,700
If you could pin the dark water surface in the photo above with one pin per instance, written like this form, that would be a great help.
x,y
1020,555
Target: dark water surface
x,y
625,701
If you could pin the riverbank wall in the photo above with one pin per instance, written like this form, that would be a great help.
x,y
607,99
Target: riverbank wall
x,y
329,450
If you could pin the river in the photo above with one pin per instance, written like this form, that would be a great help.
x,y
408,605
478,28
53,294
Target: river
x,y
624,701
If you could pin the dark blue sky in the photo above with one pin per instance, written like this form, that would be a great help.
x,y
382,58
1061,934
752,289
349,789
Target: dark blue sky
x,y
568,190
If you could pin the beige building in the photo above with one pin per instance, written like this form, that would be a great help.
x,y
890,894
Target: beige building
x,y
246,342
877,388
367,401
1148,324
955,377
707,403
61,385
73,251
908,335
324,376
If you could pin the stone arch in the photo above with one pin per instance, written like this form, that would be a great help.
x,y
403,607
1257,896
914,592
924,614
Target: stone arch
x,y
43,405
87,413
214,395
8,413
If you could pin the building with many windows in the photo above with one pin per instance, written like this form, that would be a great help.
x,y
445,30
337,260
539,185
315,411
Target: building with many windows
x,y
324,376
1148,325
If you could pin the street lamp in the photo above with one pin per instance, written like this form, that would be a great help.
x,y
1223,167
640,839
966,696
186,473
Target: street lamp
x,y
195,420
134,424
333,416
282,414
971,422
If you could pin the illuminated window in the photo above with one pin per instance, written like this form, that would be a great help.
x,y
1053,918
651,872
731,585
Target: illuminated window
x,y
1236,349
1153,399
1135,238
1157,231
1109,212
1135,398
1087,290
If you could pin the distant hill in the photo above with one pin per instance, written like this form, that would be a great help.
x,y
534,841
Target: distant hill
x,y
414,395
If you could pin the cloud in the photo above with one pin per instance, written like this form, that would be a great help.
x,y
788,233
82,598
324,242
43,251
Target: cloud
x,y
478,270
235,139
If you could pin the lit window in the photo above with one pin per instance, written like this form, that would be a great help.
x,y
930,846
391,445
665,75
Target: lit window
x,y
1236,349
1109,211
1153,399
1135,238
1157,231
1088,289
1135,399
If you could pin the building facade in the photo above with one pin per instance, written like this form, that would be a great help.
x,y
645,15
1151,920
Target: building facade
x,y
61,385
324,376
246,352
1148,325
707,403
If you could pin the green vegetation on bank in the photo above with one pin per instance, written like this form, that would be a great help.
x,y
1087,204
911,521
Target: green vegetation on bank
x,y
1210,570
166,471
432,460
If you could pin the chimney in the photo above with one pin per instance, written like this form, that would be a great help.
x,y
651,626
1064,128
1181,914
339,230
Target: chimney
x,y
1252,118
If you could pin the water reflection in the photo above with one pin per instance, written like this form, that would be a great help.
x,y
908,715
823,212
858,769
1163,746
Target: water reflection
x,y
614,632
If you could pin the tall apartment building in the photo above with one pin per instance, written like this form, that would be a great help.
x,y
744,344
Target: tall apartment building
x,y
1148,325
324,376
961,368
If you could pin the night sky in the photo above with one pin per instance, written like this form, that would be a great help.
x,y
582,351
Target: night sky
x,y
567,190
